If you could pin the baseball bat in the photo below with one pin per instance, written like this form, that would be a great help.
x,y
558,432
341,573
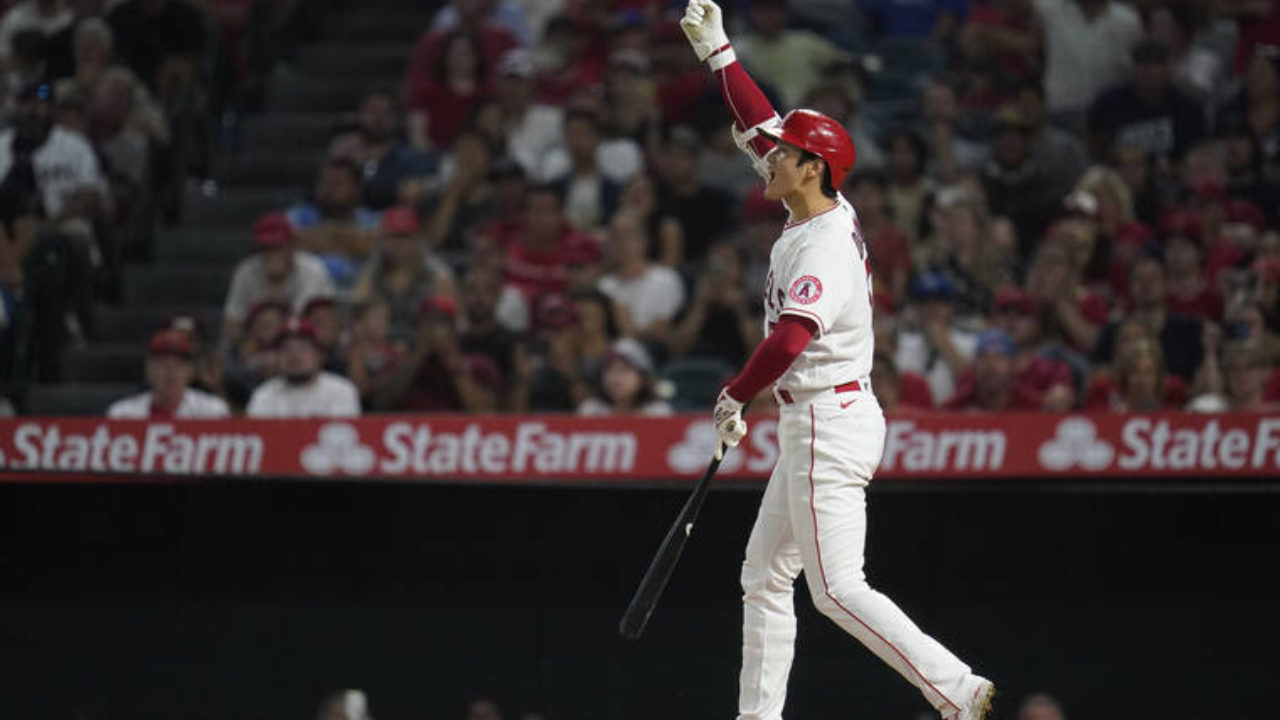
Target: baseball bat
x,y
664,562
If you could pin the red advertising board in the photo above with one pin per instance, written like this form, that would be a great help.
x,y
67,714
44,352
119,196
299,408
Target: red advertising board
x,y
567,449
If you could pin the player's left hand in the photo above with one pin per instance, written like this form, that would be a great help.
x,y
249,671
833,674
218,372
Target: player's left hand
x,y
730,427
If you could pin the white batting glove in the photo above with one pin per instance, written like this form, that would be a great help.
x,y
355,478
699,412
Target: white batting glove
x,y
703,24
730,427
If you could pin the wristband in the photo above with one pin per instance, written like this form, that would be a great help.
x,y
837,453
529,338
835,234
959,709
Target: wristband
x,y
722,58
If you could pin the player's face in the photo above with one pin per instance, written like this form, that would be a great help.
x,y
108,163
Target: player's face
x,y
785,171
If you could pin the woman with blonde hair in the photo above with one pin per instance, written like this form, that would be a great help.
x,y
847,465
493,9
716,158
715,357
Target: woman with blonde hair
x,y
963,247
1118,225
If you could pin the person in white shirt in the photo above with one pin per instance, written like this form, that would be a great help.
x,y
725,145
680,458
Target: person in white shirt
x,y
627,384
302,389
533,129
1087,45
169,369
68,178
651,293
45,16
277,271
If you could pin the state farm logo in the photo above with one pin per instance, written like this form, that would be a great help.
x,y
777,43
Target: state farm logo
x,y
337,450
1076,442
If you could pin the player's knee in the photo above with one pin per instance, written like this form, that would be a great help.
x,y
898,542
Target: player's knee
x,y
840,597
758,580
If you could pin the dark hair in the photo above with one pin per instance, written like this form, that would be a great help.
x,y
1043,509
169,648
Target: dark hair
x,y
828,189
545,188
585,116
357,175
343,128
482,66
874,176
917,143
381,92
606,302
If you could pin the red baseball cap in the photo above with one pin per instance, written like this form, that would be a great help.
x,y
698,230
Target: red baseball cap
x,y
296,328
1012,298
400,221
170,342
820,135
438,305
272,230
1211,191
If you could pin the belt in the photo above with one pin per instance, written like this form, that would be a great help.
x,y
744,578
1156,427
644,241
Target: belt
x,y
784,396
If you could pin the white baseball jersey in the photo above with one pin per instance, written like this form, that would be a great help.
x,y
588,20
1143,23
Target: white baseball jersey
x,y
195,404
818,269
328,395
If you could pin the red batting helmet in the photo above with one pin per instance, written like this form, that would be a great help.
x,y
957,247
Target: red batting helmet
x,y
820,135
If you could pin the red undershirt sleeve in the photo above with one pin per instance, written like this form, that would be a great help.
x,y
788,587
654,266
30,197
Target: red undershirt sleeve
x,y
773,356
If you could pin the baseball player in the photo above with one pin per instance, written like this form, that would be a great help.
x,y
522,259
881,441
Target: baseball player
x,y
817,356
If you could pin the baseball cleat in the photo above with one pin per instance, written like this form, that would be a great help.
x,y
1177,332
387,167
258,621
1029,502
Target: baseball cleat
x,y
979,704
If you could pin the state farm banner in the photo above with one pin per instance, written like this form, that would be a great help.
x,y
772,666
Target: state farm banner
x,y
567,449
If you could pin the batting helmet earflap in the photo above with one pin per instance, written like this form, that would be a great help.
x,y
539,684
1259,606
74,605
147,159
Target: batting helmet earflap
x,y
820,135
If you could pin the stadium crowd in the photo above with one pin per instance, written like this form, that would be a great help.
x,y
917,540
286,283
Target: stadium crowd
x,y
1069,204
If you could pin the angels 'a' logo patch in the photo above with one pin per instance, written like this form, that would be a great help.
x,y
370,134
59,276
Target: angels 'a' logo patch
x,y
806,290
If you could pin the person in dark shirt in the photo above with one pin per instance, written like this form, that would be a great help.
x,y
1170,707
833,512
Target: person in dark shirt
x,y
702,211
1017,185
1148,113
393,171
1179,336
160,40
481,289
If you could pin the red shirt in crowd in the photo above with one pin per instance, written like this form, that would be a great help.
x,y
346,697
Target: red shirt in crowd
x,y
1104,394
494,41
1033,376
447,110
536,272
995,16
1206,304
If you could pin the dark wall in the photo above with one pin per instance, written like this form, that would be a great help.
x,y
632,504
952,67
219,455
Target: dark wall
x,y
252,600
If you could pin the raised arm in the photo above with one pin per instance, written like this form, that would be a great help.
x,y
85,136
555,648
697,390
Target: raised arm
x,y
703,24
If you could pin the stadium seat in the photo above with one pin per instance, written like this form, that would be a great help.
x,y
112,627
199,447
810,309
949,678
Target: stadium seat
x,y
697,381
294,94
294,132
354,60
76,398
235,208
267,167
164,285
373,24
104,363
136,324
195,245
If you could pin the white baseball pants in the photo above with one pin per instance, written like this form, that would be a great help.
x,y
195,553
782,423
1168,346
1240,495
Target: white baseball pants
x,y
813,517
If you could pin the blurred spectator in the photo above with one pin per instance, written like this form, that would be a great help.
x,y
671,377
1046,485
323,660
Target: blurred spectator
x,y
345,705
719,321
762,220
394,173
334,225
1043,364
436,375
254,357
370,355
990,385
303,389
204,354
1179,336
587,152
1018,186
533,129
629,108
1256,105
627,383
898,392
1198,69
1059,152
1137,382
539,254
1246,177
569,59
61,46
160,40
1189,290
886,242
1150,190
510,15
788,60
962,248
1087,45
126,126
467,197
1242,384
483,708
403,272
441,103
46,16
1076,228
935,345
1117,226
1004,35
908,183
935,20
559,368
837,102
1040,707
481,292
169,371
704,212
1149,113
952,153
473,18
651,293
326,319
1055,281
666,237
590,191
278,270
